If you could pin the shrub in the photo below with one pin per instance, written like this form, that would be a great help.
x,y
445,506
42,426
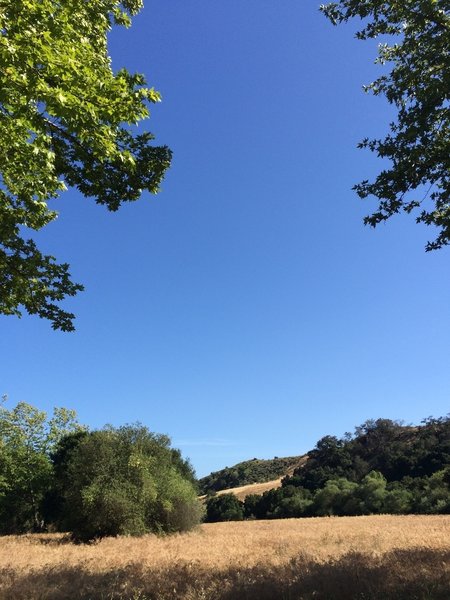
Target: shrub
x,y
224,508
126,481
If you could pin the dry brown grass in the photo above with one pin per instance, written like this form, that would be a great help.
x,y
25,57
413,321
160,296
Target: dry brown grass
x,y
259,488
252,488
378,557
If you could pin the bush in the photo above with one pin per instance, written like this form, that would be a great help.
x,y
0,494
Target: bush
x,y
126,481
224,508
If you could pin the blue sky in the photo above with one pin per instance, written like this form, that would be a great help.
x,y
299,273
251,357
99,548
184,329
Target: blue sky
x,y
245,310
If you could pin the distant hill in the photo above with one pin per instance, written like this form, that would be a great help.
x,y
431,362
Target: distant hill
x,y
384,467
255,471
243,491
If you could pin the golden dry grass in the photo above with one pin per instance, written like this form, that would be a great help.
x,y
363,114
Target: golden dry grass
x,y
376,557
252,488
243,491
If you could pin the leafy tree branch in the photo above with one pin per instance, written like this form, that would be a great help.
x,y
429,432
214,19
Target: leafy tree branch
x,y
416,43
66,119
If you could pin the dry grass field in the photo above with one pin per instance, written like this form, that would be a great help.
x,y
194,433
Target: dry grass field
x,y
364,558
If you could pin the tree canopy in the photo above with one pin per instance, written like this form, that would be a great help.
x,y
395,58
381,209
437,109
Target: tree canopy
x,y
27,439
66,119
123,480
415,38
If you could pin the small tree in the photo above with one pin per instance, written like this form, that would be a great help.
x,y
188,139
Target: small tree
x,y
294,502
225,507
251,506
334,497
398,500
372,491
27,438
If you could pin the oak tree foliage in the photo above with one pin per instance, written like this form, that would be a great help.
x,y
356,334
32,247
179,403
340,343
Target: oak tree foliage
x,y
415,43
27,439
66,119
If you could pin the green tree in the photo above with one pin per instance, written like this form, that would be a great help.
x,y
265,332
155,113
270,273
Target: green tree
x,y
398,499
294,502
27,438
416,43
251,505
372,491
334,498
124,481
225,507
65,120
431,494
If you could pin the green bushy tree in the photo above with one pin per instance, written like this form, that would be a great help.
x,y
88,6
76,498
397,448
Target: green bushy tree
x,y
27,439
125,481
251,504
431,495
225,507
285,502
372,491
293,502
335,498
398,499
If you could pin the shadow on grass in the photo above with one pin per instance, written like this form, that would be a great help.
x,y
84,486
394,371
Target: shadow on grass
x,y
413,574
48,539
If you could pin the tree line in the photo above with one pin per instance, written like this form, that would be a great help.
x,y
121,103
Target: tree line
x,y
56,475
384,467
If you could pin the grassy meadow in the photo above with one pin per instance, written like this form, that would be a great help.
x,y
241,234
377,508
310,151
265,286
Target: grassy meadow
x,y
374,557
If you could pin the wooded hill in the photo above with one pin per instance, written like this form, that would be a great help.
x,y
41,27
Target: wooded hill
x,y
248,472
384,466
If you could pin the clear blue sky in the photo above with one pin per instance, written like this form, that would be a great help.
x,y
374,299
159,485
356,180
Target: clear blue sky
x,y
245,310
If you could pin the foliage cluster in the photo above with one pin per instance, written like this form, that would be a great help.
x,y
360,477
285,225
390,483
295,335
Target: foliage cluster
x,y
56,475
247,472
225,507
415,43
384,467
66,119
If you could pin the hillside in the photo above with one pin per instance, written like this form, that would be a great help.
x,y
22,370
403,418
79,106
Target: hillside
x,y
384,467
243,491
249,472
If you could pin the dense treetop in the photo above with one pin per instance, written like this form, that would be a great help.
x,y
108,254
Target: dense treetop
x,y
396,450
